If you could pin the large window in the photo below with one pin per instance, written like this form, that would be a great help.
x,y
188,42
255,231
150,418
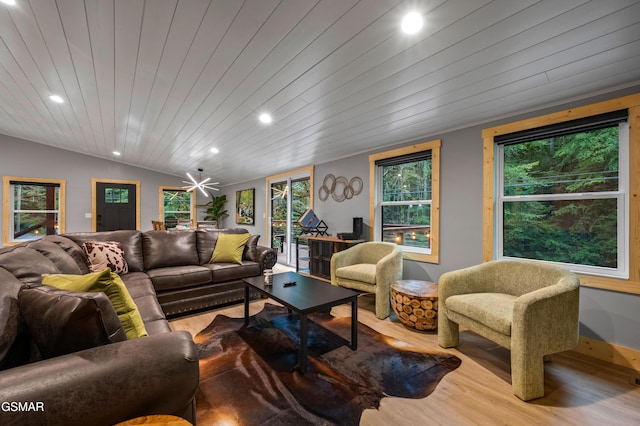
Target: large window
x,y
33,208
177,204
562,194
567,196
406,197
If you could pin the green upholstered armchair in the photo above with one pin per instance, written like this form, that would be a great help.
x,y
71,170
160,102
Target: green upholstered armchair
x,y
528,307
369,267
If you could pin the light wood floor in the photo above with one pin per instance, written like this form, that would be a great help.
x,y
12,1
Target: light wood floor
x,y
579,390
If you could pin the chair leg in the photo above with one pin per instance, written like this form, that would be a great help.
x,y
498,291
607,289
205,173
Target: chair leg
x,y
448,331
382,306
527,375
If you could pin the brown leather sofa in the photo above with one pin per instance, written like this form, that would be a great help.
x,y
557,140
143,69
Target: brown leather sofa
x,y
113,382
177,263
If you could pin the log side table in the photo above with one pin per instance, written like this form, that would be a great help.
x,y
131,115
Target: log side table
x,y
415,303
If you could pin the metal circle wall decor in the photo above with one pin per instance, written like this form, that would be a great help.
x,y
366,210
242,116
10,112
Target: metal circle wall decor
x,y
339,188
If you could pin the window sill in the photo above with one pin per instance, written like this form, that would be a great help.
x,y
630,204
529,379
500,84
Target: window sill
x,y
421,257
613,284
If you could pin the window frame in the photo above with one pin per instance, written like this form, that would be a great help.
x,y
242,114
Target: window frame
x,y
163,188
375,195
7,210
632,104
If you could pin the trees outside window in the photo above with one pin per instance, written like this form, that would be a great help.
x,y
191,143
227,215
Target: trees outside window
x,y
560,187
176,204
405,199
406,203
34,208
561,199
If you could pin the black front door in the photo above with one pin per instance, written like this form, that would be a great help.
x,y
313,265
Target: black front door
x,y
115,206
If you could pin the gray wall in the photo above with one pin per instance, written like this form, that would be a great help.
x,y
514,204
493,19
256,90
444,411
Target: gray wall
x,y
604,315
28,159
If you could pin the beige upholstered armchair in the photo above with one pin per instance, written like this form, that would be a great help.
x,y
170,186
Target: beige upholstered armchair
x,y
528,307
369,267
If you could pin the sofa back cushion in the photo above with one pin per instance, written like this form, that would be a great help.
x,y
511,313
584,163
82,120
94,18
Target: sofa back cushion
x,y
131,241
74,250
26,264
169,248
63,261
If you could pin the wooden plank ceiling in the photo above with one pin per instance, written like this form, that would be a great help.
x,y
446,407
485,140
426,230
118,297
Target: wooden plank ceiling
x,y
164,81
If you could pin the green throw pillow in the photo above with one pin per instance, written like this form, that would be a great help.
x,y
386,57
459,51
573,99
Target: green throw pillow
x,y
229,248
111,284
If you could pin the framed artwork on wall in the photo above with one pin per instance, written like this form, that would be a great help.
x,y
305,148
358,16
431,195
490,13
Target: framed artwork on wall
x,y
245,206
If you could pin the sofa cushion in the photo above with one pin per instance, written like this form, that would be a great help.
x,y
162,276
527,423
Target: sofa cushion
x,y
230,271
131,241
62,322
64,262
229,248
169,248
26,264
105,254
72,248
144,295
174,277
494,310
109,283
363,272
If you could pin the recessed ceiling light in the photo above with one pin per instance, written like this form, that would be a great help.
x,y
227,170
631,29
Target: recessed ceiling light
x,y
215,150
265,118
56,98
117,153
412,23
9,2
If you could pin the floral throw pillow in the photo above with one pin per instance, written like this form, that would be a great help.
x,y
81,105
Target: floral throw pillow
x,y
105,254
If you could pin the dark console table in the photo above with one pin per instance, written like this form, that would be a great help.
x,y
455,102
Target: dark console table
x,y
319,249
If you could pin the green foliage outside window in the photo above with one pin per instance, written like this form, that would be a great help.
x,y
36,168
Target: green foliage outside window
x,y
563,229
300,199
177,204
406,213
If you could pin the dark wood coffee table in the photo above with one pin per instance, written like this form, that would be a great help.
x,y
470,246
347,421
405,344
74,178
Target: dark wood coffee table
x,y
309,295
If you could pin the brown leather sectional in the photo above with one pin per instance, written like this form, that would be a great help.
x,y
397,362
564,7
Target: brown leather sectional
x,y
168,274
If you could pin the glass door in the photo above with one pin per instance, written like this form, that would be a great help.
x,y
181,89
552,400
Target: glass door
x,y
289,197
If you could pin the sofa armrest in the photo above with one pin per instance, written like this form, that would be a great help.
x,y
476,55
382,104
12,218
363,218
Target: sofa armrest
x,y
104,385
266,257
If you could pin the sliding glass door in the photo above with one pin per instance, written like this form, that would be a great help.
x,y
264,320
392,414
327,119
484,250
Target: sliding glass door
x,y
290,195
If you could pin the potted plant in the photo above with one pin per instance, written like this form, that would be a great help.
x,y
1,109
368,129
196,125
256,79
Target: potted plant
x,y
215,208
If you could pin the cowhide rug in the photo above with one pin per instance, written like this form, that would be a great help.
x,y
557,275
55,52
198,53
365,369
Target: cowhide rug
x,y
248,376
